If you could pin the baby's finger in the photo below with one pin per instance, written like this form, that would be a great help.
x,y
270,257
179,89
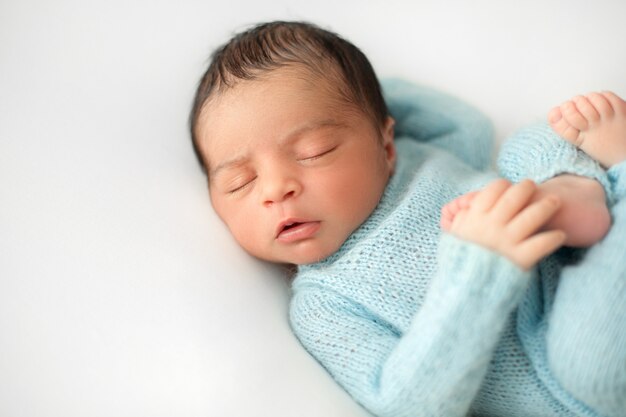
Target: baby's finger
x,y
532,218
465,200
487,197
513,200
445,221
533,249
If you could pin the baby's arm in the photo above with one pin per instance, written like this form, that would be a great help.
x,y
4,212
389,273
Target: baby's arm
x,y
435,367
430,116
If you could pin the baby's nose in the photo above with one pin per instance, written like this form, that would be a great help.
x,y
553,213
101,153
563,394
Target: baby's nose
x,y
277,191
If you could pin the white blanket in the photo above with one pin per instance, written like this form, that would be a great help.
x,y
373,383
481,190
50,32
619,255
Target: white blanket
x,y
121,293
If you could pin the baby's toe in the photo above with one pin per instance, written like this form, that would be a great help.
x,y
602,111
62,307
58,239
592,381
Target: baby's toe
x,y
562,127
601,103
573,116
555,115
619,105
586,109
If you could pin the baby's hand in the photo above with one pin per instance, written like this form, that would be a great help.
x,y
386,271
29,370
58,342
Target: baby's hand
x,y
502,217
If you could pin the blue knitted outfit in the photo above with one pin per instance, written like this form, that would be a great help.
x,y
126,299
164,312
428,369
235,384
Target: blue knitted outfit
x,y
415,322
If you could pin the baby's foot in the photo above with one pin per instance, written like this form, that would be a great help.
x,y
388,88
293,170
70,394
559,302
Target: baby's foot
x,y
595,123
451,209
583,215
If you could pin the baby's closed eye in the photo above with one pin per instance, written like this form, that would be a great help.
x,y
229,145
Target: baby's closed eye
x,y
316,153
238,183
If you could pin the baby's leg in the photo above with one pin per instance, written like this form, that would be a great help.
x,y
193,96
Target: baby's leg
x,y
586,336
583,216
596,124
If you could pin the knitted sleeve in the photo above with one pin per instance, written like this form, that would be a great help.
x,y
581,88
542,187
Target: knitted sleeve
x,y
427,115
436,367
586,340
538,153
617,179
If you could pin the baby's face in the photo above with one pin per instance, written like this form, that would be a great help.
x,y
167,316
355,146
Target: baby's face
x,y
292,171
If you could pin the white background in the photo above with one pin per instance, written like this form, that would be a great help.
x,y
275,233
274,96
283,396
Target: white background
x,y
121,293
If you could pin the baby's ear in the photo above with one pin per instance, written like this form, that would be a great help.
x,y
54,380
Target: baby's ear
x,y
388,143
389,128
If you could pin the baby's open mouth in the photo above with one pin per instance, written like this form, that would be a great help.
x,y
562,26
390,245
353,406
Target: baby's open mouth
x,y
290,226
292,231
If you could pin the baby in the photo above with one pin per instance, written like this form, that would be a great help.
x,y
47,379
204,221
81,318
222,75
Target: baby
x,y
307,166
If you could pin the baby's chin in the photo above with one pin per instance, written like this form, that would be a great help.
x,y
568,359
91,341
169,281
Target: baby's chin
x,y
303,255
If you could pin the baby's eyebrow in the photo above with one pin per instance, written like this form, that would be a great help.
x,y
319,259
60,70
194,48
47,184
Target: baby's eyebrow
x,y
227,164
315,125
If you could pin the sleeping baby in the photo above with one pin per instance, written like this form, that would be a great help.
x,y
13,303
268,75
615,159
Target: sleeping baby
x,y
427,284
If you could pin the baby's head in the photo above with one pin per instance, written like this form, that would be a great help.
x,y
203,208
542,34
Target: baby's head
x,y
291,128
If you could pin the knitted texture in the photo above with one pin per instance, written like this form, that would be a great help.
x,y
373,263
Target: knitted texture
x,y
413,322
537,153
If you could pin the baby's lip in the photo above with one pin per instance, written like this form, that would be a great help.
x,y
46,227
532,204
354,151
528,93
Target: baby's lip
x,y
298,232
292,222
286,223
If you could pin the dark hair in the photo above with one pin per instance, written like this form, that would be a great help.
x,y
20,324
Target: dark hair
x,y
273,45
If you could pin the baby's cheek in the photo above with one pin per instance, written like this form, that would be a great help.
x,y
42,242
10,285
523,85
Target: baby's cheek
x,y
243,231
251,244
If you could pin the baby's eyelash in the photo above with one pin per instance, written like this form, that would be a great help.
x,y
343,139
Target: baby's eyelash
x,y
319,155
241,187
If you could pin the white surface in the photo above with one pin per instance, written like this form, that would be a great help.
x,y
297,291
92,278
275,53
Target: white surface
x,y
121,294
